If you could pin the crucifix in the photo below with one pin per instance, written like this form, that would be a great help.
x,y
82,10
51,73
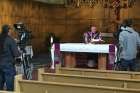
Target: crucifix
x,y
119,4
116,4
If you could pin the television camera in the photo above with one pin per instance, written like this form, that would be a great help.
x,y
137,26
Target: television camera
x,y
25,48
23,34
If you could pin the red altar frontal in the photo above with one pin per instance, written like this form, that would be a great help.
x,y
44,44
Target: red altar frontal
x,y
106,53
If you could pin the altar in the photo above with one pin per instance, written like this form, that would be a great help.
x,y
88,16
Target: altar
x,y
106,53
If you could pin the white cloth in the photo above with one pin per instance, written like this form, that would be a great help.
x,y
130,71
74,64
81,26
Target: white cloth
x,y
82,47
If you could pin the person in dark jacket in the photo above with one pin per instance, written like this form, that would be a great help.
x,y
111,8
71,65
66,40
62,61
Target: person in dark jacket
x,y
8,52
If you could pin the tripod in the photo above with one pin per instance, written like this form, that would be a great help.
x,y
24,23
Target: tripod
x,y
117,64
24,36
27,66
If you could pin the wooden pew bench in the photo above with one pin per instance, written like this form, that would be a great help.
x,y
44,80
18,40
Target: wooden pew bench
x,y
8,92
90,80
100,73
31,86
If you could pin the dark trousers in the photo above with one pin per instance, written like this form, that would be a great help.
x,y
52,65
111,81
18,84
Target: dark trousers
x,y
128,65
7,73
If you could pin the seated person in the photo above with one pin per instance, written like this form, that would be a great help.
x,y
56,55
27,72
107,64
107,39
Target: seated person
x,y
92,36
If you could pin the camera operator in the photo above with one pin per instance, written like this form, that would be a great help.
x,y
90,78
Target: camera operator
x,y
8,52
128,43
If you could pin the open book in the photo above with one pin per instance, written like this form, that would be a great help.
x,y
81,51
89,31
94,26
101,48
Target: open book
x,y
97,40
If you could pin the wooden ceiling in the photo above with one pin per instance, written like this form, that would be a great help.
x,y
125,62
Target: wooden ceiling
x,y
52,1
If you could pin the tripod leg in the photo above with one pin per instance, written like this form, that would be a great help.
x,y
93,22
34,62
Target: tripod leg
x,y
27,67
24,68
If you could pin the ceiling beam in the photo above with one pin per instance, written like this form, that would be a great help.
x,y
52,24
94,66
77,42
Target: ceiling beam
x,y
52,1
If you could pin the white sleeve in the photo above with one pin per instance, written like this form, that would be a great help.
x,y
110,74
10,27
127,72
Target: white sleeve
x,y
121,40
85,38
138,40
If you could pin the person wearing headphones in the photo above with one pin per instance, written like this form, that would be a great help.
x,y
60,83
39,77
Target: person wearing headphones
x,y
129,41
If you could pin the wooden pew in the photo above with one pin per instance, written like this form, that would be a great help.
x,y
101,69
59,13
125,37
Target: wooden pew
x,y
100,73
8,92
90,80
31,86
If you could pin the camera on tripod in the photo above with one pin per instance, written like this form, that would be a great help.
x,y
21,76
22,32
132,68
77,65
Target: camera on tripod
x,y
25,48
23,34
24,38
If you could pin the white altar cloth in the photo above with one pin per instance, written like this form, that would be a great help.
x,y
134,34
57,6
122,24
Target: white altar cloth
x,y
82,47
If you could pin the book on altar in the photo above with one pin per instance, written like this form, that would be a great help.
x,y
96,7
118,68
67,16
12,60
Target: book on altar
x,y
97,41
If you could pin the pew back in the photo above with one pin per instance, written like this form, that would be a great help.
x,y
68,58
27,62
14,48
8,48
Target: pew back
x,y
9,92
91,80
28,86
100,73
100,81
32,86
